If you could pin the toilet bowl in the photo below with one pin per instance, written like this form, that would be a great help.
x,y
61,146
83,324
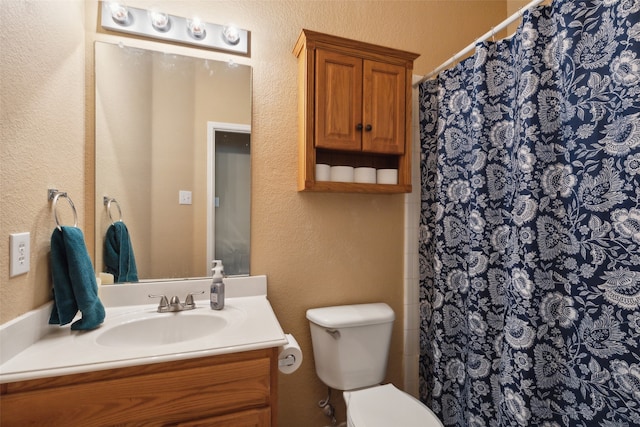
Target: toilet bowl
x,y
385,406
350,349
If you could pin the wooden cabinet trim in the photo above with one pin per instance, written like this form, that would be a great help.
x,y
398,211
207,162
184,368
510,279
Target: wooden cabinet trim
x,y
313,40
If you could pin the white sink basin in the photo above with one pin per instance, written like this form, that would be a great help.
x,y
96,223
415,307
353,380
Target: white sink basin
x,y
161,329
134,333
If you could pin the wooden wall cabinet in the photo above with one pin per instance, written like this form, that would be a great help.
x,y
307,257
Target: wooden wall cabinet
x,y
354,110
235,390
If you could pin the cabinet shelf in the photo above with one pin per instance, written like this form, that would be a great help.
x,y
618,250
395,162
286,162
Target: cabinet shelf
x,y
354,110
356,187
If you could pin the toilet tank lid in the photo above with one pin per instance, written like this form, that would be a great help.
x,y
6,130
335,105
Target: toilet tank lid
x,y
344,316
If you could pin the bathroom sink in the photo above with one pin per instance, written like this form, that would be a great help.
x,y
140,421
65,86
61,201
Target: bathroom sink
x,y
161,329
134,333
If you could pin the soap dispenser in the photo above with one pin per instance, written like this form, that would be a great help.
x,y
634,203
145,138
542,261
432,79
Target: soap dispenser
x,y
217,286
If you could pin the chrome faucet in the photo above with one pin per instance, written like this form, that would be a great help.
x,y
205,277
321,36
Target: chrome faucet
x,y
174,305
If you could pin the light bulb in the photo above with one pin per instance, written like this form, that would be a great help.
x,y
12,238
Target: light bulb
x,y
231,35
119,13
197,28
159,20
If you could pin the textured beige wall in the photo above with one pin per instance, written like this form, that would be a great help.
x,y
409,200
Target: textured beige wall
x,y
512,7
172,163
123,125
42,110
317,249
234,106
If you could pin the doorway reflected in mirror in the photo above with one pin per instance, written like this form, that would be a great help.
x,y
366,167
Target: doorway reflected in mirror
x,y
230,188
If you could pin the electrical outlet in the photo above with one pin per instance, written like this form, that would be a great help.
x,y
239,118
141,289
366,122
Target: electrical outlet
x,y
20,253
184,197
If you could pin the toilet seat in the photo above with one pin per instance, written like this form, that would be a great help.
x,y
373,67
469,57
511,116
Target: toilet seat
x,y
384,406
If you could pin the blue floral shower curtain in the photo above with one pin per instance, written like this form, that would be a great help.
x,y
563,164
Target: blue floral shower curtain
x,y
530,224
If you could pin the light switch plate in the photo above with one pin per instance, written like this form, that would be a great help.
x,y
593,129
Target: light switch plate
x,y
20,252
184,197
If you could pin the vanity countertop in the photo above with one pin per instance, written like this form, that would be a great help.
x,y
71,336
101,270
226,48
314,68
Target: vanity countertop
x,y
33,349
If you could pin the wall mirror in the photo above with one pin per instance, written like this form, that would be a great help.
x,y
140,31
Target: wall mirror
x,y
173,150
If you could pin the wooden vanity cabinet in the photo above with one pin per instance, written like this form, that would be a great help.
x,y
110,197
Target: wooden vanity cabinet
x,y
355,110
238,390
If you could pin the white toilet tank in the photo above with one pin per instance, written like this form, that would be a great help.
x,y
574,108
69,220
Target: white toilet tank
x,y
351,344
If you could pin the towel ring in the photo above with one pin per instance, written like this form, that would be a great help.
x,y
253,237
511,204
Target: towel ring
x,y
55,195
107,202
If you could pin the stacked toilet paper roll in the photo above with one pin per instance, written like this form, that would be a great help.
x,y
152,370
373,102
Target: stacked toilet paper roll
x,y
323,172
342,173
290,356
387,176
365,175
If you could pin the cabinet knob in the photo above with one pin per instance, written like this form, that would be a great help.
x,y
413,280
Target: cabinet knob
x,y
368,128
359,126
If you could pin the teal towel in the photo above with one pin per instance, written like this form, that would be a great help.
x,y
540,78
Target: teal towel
x,y
74,281
118,254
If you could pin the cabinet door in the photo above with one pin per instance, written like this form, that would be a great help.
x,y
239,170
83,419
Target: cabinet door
x,y
338,101
253,418
384,108
149,394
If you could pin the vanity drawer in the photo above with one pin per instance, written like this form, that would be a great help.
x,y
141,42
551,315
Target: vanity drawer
x,y
159,394
252,418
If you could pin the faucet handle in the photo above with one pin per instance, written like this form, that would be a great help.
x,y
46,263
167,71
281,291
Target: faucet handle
x,y
189,302
163,306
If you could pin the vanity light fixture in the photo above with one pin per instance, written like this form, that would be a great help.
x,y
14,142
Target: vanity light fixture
x,y
160,25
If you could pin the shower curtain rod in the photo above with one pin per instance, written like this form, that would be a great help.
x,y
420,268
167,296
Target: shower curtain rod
x,y
484,37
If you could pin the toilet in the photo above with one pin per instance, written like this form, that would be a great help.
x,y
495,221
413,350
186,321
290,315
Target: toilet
x,y
351,349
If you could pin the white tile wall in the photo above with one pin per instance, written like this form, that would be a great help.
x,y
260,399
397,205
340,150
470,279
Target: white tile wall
x,y
411,272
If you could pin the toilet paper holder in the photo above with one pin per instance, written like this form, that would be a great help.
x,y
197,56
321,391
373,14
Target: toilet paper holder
x,y
290,356
288,360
